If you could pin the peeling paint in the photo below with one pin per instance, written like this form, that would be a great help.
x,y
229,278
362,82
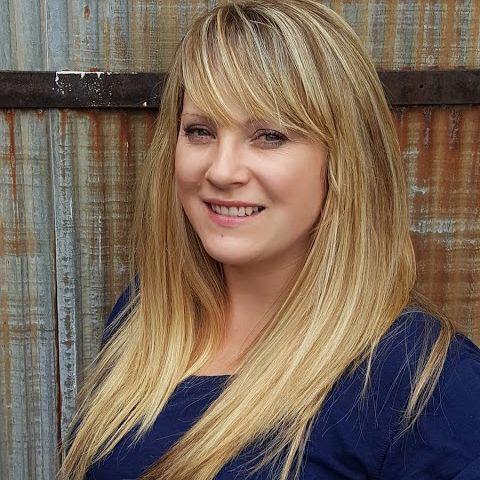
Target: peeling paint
x,y
433,225
82,74
421,190
453,129
66,72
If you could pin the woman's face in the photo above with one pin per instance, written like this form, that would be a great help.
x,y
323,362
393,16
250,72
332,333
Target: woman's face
x,y
251,192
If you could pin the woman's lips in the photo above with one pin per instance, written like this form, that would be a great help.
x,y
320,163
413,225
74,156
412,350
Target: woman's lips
x,y
230,221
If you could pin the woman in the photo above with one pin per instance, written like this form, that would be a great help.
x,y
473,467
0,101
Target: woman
x,y
272,328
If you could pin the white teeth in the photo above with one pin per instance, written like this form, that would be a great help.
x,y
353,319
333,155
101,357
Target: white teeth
x,y
234,211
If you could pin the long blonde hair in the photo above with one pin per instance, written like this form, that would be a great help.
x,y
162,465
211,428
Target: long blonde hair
x,y
300,64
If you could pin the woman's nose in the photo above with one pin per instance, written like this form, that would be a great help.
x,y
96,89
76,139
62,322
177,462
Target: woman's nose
x,y
227,166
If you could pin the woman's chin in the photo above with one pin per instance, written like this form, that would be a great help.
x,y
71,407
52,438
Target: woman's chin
x,y
233,259
231,256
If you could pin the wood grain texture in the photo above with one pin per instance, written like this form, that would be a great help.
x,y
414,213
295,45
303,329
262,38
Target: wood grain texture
x,y
66,188
141,35
441,150
28,321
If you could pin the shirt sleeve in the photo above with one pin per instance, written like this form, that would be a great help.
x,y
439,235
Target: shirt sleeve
x,y
444,444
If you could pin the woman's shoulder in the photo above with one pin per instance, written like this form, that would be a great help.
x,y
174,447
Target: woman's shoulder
x,y
407,345
361,422
445,441
407,349
401,354
413,335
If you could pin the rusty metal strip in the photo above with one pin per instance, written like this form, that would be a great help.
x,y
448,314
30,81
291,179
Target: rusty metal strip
x,y
432,87
79,89
142,90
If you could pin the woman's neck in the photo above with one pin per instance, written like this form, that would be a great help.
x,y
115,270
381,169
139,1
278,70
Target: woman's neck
x,y
252,292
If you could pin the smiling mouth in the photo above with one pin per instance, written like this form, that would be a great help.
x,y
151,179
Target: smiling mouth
x,y
235,211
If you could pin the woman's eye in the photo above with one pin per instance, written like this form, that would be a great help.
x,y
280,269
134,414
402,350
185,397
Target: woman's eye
x,y
271,138
196,133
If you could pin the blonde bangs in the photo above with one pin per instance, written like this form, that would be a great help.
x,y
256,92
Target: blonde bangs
x,y
265,82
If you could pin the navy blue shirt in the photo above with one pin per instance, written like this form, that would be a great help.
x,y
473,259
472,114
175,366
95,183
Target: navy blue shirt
x,y
353,437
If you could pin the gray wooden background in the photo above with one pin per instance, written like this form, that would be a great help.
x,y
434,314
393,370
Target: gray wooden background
x,y
67,176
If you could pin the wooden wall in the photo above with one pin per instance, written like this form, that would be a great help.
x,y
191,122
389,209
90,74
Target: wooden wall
x,y
67,176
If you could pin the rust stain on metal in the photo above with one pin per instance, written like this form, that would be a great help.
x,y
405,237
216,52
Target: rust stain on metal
x,y
443,162
419,123
10,117
150,127
420,31
469,277
86,11
12,161
363,17
63,135
448,34
436,272
96,132
63,124
448,162
399,122
97,184
40,114
390,33
124,143
454,119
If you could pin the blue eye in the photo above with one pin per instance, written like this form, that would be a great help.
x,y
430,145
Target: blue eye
x,y
272,138
194,132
